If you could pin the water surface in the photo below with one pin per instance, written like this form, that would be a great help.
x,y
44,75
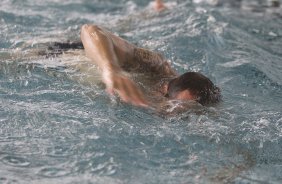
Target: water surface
x,y
56,127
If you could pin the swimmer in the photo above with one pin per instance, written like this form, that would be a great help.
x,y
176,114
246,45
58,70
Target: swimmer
x,y
121,63
159,5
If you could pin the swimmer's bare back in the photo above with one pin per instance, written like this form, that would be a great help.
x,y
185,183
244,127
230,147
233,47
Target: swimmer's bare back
x,y
115,57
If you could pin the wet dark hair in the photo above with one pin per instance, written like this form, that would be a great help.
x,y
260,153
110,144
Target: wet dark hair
x,y
197,84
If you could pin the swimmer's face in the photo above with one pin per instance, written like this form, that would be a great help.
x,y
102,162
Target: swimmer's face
x,y
184,95
173,92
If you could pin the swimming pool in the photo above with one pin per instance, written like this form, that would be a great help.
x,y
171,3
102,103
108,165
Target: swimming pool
x,y
54,129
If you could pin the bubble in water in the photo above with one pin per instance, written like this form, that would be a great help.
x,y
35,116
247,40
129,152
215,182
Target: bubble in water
x,y
15,161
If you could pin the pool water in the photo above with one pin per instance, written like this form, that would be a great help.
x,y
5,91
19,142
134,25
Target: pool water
x,y
58,125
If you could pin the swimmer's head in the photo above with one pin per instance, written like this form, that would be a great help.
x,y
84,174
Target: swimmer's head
x,y
193,86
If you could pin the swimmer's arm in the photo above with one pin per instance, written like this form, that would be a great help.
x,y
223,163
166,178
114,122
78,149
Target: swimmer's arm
x,y
100,49
133,58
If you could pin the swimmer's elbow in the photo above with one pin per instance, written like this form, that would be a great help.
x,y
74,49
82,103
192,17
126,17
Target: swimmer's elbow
x,y
94,34
86,27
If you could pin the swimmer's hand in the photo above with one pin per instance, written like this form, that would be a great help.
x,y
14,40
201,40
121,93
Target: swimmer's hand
x,y
125,88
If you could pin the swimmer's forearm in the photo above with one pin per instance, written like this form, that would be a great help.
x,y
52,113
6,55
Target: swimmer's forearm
x,y
99,48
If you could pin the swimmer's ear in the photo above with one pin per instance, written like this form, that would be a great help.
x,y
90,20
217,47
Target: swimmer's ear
x,y
163,88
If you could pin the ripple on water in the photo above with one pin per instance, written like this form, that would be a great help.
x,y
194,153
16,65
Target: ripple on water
x,y
7,180
53,172
15,161
107,168
59,151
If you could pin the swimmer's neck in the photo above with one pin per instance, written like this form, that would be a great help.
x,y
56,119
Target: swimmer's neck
x,y
159,88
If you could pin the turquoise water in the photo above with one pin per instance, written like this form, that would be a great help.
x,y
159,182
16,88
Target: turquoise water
x,y
57,128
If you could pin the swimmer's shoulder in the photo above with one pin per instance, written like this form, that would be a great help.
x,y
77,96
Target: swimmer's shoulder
x,y
153,62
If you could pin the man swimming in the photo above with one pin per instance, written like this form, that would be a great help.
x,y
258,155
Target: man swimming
x,y
152,78
159,5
